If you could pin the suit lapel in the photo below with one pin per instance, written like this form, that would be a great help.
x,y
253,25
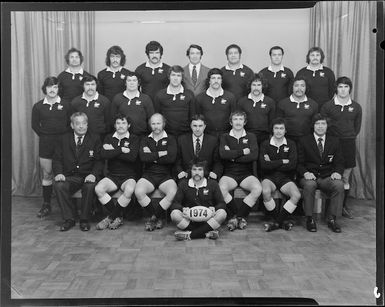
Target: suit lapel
x,y
84,144
71,140
315,146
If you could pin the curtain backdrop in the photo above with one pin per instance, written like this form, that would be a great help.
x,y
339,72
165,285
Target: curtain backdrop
x,y
343,29
39,43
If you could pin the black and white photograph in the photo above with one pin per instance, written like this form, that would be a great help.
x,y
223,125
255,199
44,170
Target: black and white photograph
x,y
192,153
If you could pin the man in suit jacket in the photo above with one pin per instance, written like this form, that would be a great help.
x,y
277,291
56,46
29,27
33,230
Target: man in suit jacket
x,y
320,165
77,164
198,145
195,80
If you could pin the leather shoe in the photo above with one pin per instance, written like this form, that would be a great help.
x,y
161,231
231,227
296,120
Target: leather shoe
x,y
84,225
332,224
311,225
67,225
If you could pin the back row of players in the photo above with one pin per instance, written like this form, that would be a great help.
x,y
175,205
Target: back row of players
x,y
178,104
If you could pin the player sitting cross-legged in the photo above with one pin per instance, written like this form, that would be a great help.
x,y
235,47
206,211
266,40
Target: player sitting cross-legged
x,y
198,209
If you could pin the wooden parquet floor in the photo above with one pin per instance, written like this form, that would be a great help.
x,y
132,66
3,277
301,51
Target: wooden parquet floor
x,y
334,269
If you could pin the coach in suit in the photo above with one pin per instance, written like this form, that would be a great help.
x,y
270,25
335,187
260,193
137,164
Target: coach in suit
x,y
320,165
198,145
195,73
77,164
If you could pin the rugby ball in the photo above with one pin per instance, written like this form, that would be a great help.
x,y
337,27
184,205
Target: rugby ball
x,y
200,214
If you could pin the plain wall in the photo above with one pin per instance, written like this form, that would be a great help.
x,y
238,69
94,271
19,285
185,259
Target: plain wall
x,y
255,31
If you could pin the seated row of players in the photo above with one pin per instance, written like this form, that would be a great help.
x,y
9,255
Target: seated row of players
x,y
50,115
77,164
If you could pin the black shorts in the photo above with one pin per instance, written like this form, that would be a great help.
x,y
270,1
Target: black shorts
x,y
156,180
238,178
349,152
118,180
47,144
278,179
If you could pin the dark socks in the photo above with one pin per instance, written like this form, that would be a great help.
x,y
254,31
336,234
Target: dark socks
x,y
345,198
244,210
118,211
231,208
149,210
158,210
200,232
47,192
110,206
282,216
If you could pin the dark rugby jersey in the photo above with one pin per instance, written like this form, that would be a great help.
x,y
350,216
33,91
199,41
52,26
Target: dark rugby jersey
x,y
208,195
71,84
259,114
111,83
50,119
237,81
280,83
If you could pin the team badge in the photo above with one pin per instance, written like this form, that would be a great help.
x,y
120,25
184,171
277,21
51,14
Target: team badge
x,y
244,141
122,76
330,157
350,109
126,144
322,74
306,106
242,74
205,191
60,107
160,70
164,142
96,104
80,78
285,149
138,102
182,97
91,152
223,101
263,105
283,75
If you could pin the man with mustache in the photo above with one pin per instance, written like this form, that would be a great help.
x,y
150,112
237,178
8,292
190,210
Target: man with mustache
x,y
259,108
76,165
279,78
320,78
216,104
297,110
50,120
192,195
236,76
153,73
71,78
175,103
158,153
112,79
97,107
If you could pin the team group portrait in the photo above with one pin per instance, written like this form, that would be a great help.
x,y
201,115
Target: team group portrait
x,y
148,176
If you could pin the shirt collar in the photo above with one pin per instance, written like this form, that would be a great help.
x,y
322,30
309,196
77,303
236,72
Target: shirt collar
x,y
221,92
81,71
76,137
293,100
192,185
261,98
164,135
159,65
181,90
317,137
231,133
197,66
195,138
58,99
136,95
271,68
125,136
338,103
273,144
109,69
228,67
96,97
311,68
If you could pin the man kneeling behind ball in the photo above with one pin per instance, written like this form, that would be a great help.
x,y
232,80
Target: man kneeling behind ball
x,y
198,209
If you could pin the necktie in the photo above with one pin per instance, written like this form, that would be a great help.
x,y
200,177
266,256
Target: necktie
x,y
78,144
320,147
197,147
194,75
